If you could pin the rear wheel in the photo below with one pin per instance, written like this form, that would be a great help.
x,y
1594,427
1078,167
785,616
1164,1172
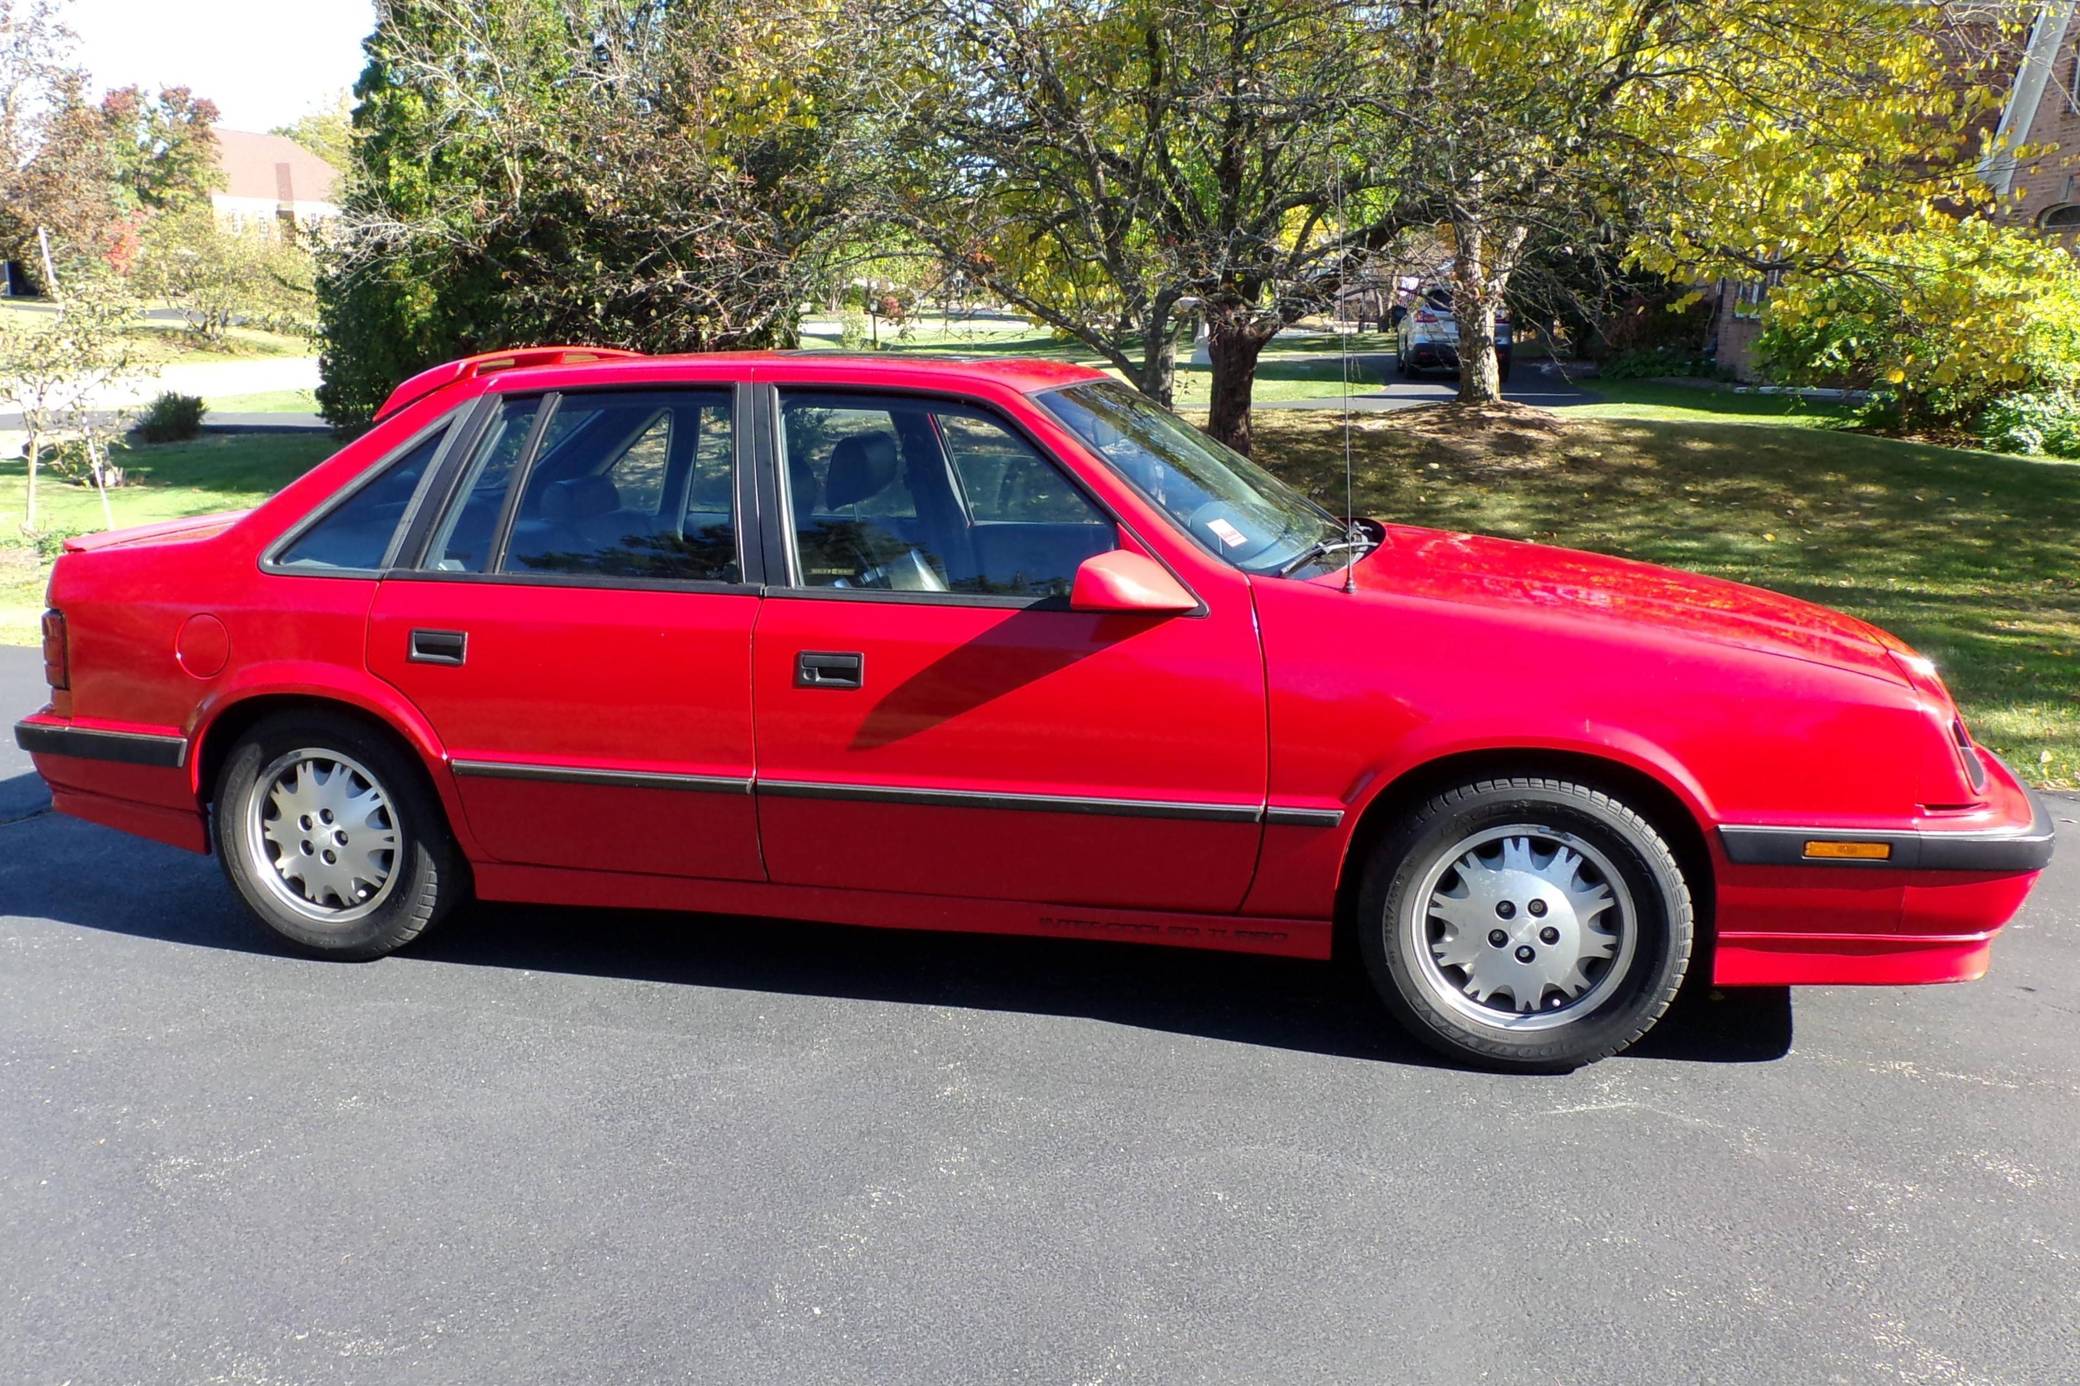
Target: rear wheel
x,y
1526,924
329,833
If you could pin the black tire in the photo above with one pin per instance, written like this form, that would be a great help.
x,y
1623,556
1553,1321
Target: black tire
x,y
1629,991
425,877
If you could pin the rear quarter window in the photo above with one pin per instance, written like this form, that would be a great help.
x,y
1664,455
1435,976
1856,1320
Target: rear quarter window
x,y
357,535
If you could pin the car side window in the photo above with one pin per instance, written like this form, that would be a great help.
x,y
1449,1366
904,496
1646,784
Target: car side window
x,y
463,542
631,486
358,534
1005,478
915,494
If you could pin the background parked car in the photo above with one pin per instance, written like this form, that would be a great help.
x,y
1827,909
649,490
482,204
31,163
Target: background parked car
x,y
1427,335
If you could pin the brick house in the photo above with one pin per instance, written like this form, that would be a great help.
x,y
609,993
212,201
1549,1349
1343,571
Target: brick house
x,y
2042,112
272,179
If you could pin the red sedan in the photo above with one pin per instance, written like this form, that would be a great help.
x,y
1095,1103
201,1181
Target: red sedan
x,y
1002,646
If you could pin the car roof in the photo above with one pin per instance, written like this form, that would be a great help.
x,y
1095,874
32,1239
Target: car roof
x,y
566,367
1025,374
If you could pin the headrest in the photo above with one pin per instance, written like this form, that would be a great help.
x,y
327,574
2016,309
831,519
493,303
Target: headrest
x,y
580,498
861,468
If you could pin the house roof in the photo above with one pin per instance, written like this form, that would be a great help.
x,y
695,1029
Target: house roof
x,y
273,168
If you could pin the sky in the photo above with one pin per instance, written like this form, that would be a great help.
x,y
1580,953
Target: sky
x,y
264,62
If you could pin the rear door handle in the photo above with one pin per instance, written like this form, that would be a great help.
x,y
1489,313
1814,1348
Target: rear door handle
x,y
818,669
439,646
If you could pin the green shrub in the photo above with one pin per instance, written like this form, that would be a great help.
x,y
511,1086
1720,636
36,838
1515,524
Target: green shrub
x,y
852,331
1939,324
83,462
2034,422
50,543
171,418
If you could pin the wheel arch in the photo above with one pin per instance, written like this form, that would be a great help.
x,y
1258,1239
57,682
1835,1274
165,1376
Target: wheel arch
x,y
225,719
1673,809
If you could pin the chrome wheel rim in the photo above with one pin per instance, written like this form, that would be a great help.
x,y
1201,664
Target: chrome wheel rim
x,y
1523,927
324,835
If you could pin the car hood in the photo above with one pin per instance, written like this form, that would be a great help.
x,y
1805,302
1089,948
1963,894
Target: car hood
x,y
1504,573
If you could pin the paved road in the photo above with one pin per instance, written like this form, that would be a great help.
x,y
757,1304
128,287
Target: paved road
x,y
563,1146
209,379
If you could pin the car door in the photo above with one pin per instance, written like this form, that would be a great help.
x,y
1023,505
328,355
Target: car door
x,y
575,622
934,719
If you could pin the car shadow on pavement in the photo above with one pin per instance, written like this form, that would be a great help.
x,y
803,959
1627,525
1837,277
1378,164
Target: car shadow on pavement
x,y
64,871
1278,1002
23,795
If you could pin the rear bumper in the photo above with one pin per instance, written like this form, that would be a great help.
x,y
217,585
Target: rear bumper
x,y
41,738
131,779
1927,912
1445,355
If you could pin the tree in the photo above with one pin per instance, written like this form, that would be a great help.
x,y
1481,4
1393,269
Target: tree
x,y
49,374
164,146
1941,324
69,187
1112,168
327,132
214,273
1721,136
662,177
55,169
36,52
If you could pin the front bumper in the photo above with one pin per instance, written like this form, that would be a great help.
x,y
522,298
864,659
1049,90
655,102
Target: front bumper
x,y
1927,912
2013,846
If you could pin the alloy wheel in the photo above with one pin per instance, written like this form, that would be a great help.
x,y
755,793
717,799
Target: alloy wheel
x,y
326,834
1524,927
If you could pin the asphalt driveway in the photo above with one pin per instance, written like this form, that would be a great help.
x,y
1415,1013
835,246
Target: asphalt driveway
x,y
571,1146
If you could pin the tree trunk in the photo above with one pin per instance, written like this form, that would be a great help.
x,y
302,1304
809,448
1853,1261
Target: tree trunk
x,y
1157,377
31,450
1480,378
1233,344
1482,261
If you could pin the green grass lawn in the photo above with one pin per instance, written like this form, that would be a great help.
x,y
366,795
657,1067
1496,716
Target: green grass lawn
x,y
1972,557
266,402
1646,399
165,482
159,343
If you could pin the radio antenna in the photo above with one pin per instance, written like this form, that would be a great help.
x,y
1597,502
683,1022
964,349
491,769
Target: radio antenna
x,y
1343,328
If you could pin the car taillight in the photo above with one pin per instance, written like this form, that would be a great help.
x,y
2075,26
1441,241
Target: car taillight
x,y
57,662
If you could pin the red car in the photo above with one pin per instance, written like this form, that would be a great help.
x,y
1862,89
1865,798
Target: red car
x,y
1001,646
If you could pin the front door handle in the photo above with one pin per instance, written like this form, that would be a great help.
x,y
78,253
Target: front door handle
x,y
438,647
819,669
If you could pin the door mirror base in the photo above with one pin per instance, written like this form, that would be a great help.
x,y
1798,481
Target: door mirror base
x,y
1124,581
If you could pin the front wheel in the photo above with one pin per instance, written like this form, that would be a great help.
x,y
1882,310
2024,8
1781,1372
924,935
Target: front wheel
x,y
1527,924
329,833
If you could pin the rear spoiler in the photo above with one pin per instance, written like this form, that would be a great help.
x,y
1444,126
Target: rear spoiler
x,y
427,381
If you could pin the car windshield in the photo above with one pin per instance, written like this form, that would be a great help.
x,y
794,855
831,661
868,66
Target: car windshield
x,y
1230,505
